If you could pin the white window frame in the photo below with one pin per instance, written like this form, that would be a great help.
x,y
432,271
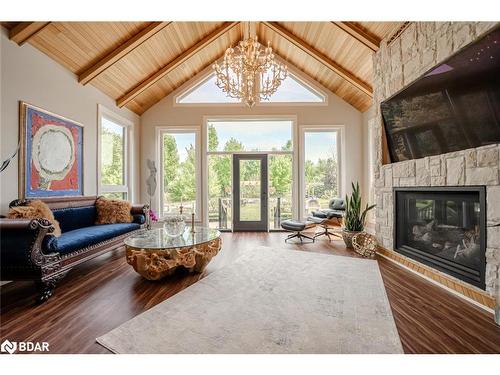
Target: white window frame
x,y
294,153
128,128
196,129
340,154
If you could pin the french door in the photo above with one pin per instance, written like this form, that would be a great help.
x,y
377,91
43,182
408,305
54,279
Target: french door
x,y
250,192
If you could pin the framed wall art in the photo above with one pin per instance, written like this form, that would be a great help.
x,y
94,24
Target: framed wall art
x,y
51,155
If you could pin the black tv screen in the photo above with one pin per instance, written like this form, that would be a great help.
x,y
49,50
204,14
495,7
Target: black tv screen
x,y
454,106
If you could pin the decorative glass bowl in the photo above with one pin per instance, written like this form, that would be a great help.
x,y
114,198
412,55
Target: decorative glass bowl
x,y
174,225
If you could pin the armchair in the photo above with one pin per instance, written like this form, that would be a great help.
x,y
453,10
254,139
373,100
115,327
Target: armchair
x,y
329,217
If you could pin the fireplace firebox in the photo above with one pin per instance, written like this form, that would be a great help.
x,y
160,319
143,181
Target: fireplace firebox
x,y
445,228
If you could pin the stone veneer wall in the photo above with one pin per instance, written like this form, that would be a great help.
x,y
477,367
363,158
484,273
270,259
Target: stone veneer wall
x,y
420,47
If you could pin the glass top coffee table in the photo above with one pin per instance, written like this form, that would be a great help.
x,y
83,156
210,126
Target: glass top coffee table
x,y
154,254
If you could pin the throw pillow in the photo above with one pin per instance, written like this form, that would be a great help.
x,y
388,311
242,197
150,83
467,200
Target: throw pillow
x,y
113,211
35,209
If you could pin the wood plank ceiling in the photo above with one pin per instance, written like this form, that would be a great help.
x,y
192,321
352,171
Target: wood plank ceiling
x,y
139,63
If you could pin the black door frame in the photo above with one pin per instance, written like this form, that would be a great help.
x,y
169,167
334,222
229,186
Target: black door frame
x,y
254,226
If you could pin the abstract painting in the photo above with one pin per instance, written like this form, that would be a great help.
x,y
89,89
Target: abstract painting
x,y
51,157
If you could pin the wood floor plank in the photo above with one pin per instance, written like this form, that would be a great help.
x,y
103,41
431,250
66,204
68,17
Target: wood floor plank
x,y
103,293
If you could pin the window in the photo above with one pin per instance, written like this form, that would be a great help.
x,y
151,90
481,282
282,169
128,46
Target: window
x,y
226,137
206,92
113,150
320,167
249,135
280,188
180,166
292,90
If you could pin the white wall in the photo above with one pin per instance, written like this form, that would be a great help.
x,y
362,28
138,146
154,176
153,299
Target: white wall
x,y
337,112
29,75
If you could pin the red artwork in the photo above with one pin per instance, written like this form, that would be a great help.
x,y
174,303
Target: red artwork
x,y
70,181
53,154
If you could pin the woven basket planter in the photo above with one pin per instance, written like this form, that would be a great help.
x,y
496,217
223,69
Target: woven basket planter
x,y
365,244
347,236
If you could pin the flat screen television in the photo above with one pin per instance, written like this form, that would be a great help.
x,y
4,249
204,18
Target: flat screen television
x,y
454,106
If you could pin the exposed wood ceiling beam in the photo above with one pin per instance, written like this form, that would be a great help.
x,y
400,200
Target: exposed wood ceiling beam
x,y
359,34
120,52
24,31
193,50
329,63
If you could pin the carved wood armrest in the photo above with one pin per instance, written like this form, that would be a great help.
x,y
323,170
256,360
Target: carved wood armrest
x,y
24,237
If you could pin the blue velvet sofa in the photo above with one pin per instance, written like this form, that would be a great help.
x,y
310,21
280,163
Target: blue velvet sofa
x,y
28,250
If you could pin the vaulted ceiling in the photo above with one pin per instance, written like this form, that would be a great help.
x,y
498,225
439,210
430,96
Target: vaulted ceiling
x,y
139,63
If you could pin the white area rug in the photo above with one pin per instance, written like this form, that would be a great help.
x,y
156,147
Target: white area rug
x,y
270,301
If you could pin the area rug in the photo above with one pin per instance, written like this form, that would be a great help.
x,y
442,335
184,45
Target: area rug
x,y
270,301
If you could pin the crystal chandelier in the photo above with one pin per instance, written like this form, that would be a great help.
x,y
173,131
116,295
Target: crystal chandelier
x,y
249,71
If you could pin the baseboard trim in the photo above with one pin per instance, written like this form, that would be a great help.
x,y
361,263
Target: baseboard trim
x,y
477,298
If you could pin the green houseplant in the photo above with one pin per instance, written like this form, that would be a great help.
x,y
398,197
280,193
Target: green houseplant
x,y
354,218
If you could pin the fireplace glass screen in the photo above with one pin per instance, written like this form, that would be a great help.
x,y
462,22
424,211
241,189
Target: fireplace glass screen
x,y
444,229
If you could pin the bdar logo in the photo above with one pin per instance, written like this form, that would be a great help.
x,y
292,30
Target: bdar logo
x,y
23,346
8,347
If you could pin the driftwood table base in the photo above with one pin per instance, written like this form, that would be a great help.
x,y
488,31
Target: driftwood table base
x,y
158,263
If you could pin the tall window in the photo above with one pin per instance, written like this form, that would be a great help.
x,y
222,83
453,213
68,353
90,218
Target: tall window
x,y
321,167
113,173
180,171
227,137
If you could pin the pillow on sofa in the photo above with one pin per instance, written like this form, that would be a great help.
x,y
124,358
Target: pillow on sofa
x,y
35,209
113,211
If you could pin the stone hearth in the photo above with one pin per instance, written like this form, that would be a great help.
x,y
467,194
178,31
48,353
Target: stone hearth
x,y
420,47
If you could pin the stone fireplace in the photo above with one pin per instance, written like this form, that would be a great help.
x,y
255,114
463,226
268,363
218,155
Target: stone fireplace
x,y
444,228
421,46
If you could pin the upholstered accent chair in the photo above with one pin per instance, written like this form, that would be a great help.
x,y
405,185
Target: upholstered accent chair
x,y
329,217
29,251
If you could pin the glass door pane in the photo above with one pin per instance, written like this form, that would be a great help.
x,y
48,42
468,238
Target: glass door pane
x,y
250,190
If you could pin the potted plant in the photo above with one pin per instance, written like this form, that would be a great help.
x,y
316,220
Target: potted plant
x,y
354,218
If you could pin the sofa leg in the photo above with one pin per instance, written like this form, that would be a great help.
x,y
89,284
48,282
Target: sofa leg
x,y
45,291
46,287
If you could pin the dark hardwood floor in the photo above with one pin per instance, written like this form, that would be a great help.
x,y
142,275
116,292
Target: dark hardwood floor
x,y
105,292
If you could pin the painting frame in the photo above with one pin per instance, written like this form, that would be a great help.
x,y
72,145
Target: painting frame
x,y
26,164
